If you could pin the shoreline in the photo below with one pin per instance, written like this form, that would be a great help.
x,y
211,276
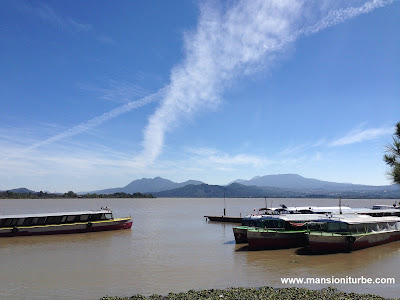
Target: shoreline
x,y
257,293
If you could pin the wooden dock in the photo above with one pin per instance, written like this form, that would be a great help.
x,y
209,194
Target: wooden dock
x,y
224,219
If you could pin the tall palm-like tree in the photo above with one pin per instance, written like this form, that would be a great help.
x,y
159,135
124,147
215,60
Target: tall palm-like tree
x,y
392,158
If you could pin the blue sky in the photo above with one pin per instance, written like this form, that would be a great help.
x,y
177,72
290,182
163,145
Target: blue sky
x,y
95,94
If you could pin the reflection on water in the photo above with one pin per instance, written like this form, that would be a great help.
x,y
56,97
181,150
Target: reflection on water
x,y
171,247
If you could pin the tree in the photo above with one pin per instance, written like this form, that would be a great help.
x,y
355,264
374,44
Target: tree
x,y
70,194
392,158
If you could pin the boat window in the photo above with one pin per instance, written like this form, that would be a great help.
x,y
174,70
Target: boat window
x,y
3,222
41,221
318,226
108,216
20,221
84,218
54,219
72,219
337,226
384,226
258,223
7,222
275,224
34,221
14,222
95,217
358,228
64,218
28,221
103,217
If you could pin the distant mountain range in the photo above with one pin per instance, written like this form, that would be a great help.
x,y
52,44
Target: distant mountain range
x,y
20,191
279,186
148,185
282,185
294,181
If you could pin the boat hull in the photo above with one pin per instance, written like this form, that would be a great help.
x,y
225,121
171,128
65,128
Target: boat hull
x,y
328,243
82,227
224,219
240,234
268,239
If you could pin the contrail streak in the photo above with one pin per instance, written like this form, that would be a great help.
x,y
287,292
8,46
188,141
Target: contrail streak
x,y
100,119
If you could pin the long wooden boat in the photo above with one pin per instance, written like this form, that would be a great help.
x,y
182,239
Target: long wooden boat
x,y
348,233
224,219
284,231
379,212
250,221
257,220
61,223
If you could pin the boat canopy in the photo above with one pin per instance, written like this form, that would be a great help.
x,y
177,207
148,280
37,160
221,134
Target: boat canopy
x,y
363,219
39,215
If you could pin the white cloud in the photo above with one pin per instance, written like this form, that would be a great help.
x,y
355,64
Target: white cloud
x,y
227,43
359,135
212,157
232,42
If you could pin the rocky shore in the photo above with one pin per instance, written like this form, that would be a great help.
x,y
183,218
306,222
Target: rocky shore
x,y
293,293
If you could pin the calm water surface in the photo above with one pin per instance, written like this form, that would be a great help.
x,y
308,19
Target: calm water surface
x,y
171,248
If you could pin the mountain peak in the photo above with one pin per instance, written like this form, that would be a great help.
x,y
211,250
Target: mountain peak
x,y
148,185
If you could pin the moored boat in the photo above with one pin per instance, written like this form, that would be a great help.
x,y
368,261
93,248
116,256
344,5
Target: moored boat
x,y
61,223
250,221
256,220
226,219
285,231
381,211
348,233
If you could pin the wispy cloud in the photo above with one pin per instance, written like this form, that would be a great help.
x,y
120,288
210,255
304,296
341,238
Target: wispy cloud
x,y
119,92
50,16
234,41
85,126
360,135
213,157
98,120
228,42
106,40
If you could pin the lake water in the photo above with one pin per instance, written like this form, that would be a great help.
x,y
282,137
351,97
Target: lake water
x,y
171,248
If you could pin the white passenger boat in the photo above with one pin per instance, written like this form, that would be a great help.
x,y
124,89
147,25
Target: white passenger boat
x,y
61,222
354,232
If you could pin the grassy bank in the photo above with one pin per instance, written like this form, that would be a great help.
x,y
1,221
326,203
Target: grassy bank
x,y
257,293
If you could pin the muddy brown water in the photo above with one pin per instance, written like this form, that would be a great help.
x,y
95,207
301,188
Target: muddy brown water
x,y
172,248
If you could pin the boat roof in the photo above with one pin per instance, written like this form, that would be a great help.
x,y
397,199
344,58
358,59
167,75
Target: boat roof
x,y
383,206
377,211
363,219
72,213
297,217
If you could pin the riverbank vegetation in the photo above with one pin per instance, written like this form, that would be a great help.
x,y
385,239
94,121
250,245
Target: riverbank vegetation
x,y
70,194
256,293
